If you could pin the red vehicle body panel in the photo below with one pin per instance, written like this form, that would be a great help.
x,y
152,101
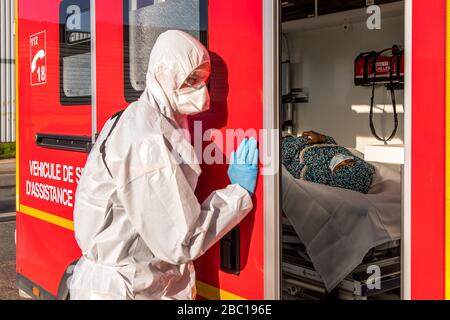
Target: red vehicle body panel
x,y
45,250
235,31
428,150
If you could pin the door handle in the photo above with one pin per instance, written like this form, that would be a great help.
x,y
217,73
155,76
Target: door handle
x,y
230,251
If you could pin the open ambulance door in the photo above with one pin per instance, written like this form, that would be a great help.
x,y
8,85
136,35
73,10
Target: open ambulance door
x,y
125,32
79,62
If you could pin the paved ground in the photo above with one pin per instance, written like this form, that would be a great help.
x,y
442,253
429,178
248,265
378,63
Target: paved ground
x,y
7,186
8,165
8,290
7,246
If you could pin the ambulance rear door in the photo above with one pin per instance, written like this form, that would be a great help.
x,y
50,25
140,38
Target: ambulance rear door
x,y
126,31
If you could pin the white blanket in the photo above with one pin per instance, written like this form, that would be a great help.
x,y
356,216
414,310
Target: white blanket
x,y
338,226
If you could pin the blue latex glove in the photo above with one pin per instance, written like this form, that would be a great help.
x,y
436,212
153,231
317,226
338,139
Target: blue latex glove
x,y
243,169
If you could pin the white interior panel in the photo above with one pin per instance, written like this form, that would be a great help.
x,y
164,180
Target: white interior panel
x,y
322,61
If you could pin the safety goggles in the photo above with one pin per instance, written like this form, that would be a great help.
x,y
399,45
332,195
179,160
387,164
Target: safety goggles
x,y
199,77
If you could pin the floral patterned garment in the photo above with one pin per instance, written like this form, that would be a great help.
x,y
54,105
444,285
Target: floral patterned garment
x,y
312,163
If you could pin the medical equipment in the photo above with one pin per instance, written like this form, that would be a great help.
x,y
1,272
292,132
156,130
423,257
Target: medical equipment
x,y
380,68
375,68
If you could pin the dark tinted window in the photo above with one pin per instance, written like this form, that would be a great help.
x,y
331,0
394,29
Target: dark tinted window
x,y
75,56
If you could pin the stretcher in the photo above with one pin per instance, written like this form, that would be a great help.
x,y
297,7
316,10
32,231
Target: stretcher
x,y
302,282
338,226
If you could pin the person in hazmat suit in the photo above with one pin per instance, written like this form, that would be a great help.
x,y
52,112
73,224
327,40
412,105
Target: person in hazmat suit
x,y
137,220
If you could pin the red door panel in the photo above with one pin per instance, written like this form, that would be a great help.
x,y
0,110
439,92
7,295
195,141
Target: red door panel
x,y
428,155
45,249
235,43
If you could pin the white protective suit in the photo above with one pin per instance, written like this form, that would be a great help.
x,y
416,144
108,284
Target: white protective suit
x,y
141,227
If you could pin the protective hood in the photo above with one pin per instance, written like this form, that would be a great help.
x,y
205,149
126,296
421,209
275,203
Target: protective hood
x,y
174,58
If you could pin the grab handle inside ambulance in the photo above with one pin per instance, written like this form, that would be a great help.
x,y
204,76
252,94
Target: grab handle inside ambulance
x,y
64,142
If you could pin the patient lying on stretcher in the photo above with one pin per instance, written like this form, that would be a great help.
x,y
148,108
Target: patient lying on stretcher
x,y
317,158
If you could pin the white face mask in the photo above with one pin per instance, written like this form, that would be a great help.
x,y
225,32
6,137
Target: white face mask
x,y
338,159
192,100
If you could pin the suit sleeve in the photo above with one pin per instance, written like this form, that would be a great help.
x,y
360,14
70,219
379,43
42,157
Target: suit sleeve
x,y
167,215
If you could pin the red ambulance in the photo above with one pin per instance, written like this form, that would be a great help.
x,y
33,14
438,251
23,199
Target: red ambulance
x,y
81,61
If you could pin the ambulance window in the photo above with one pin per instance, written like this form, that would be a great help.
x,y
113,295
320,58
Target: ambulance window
x,y
144,21
75,57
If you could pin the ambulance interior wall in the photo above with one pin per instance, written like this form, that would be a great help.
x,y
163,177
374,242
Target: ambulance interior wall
x,y
322,61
